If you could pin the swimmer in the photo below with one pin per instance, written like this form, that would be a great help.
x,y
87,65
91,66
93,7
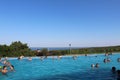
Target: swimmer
x,y
97,65
105,60
118,59
114,69
4,70
29,58
74,57
86,55
21,57
108,60
106,54
12,68
59,57
41,58
6,58
7,63
92,65
118,74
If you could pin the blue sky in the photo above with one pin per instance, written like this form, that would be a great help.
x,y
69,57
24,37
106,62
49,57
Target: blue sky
x,y
57,23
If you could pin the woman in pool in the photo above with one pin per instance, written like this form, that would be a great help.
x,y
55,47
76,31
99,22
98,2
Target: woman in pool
x,y
4,70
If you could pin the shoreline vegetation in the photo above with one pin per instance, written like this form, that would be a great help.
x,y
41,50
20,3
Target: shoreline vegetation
x,y
17,48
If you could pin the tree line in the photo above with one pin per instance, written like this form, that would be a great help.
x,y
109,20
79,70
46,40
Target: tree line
x,y
91,50
18,48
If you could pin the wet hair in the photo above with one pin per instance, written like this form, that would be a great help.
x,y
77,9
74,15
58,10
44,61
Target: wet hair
x,y
4,67
97,65
113,68
118,71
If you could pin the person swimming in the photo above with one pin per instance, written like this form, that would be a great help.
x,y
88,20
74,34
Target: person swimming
x,y
6,58
4,70
97,65
118,59
106,54
6,63
86,55
30,58
118,74
74,57
11,67
105,60
20,57
59,57
113,69
92,65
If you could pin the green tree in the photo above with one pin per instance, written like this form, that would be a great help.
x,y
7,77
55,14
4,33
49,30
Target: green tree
x,y
44,52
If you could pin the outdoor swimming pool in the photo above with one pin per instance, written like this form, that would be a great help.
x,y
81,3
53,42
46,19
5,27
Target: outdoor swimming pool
x,y
63,69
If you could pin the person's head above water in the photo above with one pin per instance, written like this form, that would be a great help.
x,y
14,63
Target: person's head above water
x,y
113,68
92,65
97,65
4,67
11,67
118,73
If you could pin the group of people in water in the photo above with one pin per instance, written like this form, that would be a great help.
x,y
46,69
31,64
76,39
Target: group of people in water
x,y
106,60
96,65
6,66
117,72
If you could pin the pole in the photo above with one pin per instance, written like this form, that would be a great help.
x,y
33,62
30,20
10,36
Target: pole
x,y
70,48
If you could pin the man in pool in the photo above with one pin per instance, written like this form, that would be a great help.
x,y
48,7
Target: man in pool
x,y
12,68
97,65
118,74
113,69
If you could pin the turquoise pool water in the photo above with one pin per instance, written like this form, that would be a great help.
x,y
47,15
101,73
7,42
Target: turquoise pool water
x,y
63,69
